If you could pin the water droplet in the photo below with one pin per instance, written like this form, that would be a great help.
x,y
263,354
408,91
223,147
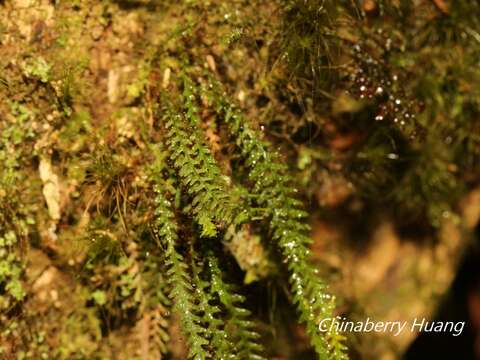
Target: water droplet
x,y
363,88
379,117
392,156
398,102
379,90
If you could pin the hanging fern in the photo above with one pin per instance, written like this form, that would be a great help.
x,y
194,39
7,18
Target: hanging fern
x,y
214,208
201,302
180,280
275,197
219,341
239,325
213,200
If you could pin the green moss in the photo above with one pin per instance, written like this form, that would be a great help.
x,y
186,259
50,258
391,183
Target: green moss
x,y
37,68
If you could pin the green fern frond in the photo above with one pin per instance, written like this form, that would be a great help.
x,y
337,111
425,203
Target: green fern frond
x,y
188,97
181,292
220,342
275,196
212,206
239,326
212,202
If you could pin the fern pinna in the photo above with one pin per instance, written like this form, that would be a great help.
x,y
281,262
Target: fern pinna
x,y
212,318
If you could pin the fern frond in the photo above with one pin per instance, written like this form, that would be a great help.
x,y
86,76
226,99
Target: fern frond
x,y
220,342
151,332
153,313
275,196
181,292
188,97
212,203
238,325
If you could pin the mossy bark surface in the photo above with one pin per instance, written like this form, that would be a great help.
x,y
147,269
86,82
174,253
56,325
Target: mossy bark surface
x,y
367,112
